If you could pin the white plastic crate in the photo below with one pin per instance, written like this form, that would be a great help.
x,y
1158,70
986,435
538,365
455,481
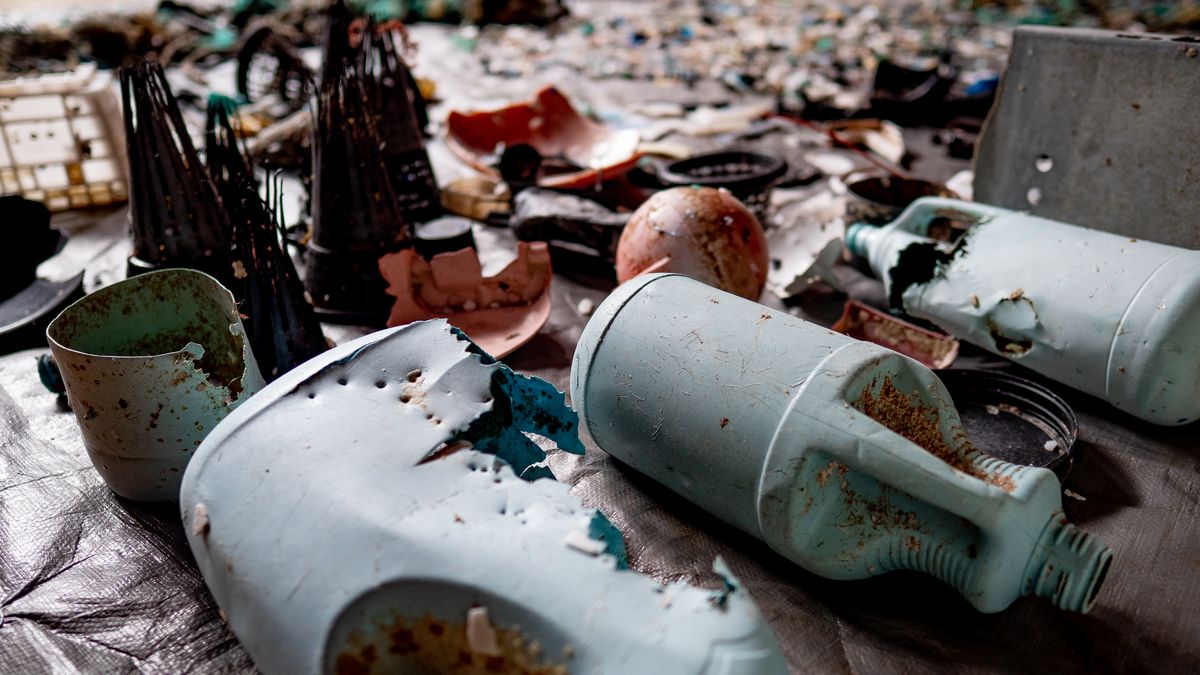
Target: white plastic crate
x,y
61,140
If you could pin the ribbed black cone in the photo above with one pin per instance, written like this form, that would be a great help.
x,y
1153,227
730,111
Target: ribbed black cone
x,y
393,97
283,328
175,215
356,217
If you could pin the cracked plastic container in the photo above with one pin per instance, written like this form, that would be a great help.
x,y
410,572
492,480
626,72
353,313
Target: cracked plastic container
x,y
843,456
151,364
1115,317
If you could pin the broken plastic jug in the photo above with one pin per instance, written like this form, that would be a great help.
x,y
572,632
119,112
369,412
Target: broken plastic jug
x,y
1115,317
841,455
366,512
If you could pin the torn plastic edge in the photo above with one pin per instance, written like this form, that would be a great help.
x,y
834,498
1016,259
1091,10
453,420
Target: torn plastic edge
x,y
602,530
922,263
192,354
468,296
729,584
520,404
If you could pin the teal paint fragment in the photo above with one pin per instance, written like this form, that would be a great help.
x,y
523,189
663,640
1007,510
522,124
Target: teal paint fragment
x,y
601,529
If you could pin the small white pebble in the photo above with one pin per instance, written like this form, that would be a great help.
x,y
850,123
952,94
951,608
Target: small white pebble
x,y
1051,446
481,637
469,306
992,410
586,307
1074,495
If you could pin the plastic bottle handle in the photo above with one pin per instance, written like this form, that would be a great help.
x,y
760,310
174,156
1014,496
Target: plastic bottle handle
x,y
917,217
895,461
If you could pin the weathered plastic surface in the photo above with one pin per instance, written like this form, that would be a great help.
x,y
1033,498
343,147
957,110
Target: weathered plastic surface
x,y
1093,127
500,313
345,523
808,440
1115,317
151,364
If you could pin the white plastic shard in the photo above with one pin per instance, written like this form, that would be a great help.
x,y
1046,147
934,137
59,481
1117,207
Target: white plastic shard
x,y
361,505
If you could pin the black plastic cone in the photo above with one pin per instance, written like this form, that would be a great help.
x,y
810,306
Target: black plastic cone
x,y
283,328
356,217
175,216
393,97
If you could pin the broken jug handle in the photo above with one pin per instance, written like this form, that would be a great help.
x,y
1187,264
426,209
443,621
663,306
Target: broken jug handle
x,y
934,481
917,217
892,459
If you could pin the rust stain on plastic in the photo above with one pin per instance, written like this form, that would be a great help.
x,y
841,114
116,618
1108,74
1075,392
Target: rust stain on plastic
x,y
920,424
430,645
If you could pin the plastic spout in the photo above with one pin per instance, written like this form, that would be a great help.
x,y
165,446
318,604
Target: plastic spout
x,y
1068,566
857,236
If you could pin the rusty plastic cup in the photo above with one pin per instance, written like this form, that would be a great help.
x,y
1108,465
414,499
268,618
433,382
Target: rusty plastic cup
x,y
151,364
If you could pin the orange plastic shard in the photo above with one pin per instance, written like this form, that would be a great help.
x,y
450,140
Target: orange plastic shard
x,y
500,313
554,128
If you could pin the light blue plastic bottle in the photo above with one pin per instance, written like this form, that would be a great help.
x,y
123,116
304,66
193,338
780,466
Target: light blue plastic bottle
x,y
1115,317
790,432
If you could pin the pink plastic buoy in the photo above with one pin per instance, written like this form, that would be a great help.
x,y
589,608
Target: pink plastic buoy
x,y
704,233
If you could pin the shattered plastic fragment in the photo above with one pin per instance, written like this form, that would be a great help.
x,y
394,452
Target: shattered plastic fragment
x,y
1126,328
500,312
806,243
567,221
845,457
151,364
580,541
481,637
476,197
553,127
386,531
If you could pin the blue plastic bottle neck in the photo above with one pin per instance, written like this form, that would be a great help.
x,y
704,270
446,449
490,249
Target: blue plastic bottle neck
x,y
1068,566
